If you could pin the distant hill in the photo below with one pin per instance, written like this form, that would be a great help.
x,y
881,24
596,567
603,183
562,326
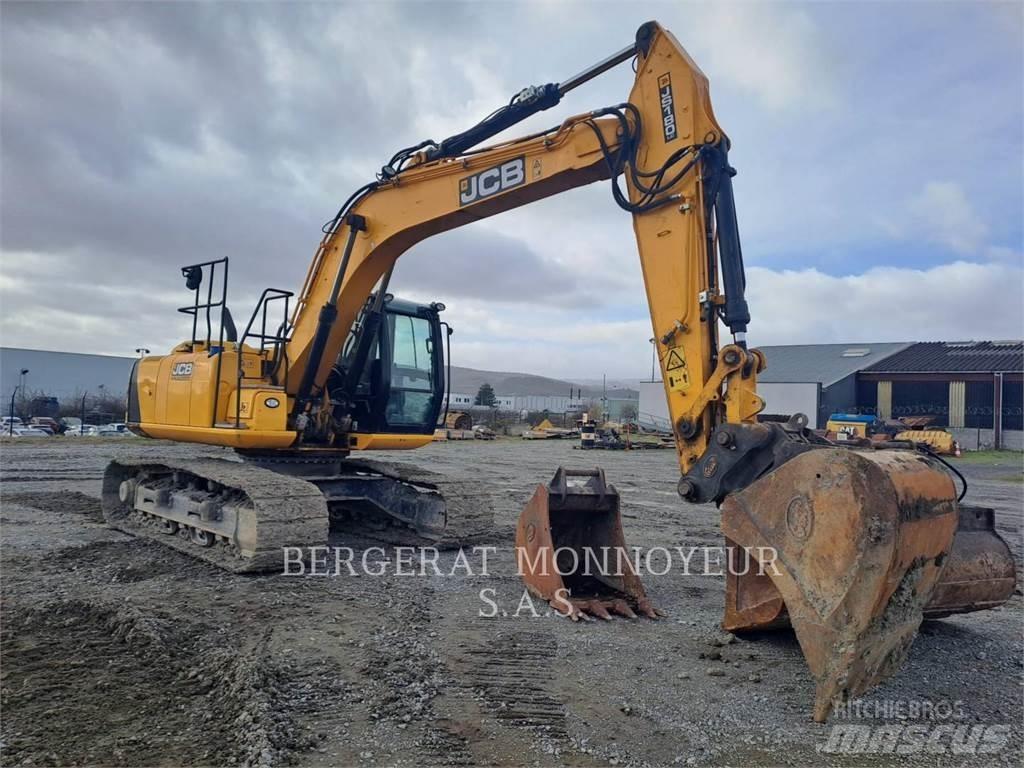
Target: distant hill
x,y
467,381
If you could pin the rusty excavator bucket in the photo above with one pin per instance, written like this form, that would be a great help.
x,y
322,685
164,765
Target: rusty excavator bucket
x,y
853,548
571,551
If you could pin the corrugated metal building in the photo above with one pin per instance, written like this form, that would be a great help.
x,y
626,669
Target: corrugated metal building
x,y
64,375
975,388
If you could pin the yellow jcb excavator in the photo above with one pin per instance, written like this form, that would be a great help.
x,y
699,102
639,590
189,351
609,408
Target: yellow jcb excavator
x,y
866,541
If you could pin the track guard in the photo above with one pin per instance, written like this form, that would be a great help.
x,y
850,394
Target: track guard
x,y
859,540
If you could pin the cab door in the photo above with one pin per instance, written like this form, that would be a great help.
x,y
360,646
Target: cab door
x,y
414,373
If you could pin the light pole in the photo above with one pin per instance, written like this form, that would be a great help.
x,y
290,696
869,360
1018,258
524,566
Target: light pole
x,y
654,357
141,352
81,427
24,373
10,424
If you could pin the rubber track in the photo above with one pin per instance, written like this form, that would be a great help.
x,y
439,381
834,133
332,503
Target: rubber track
x,y
289,510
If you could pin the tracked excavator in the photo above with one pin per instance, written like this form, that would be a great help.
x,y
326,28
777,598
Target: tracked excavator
x,y
866,541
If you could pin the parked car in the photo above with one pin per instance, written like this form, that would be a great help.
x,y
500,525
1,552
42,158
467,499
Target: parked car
x,y
116,430
85,430
42,428
47,423
27,432
7,420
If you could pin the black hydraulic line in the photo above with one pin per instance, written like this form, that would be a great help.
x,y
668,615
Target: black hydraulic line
x,y
328,315
448,377
367,333
963,480
356,224
736,314
529,102
355,197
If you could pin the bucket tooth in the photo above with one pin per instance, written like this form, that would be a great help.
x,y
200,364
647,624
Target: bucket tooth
x,y
854,543
571,551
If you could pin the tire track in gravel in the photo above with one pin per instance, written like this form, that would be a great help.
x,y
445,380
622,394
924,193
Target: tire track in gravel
x,y
94,683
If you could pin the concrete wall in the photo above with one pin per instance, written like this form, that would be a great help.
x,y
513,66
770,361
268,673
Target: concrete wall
x,y
973,439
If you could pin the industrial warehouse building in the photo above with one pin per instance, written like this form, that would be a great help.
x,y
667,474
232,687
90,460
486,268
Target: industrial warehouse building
x,y
64,375
974,388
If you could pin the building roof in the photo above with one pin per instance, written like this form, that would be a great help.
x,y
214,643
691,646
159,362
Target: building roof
x,y
955,357
824,363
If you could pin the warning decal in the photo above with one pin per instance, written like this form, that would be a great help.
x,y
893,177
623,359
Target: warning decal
x,y
676,372
675,360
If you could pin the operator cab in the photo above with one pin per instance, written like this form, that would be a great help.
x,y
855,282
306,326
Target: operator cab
x,y
389,377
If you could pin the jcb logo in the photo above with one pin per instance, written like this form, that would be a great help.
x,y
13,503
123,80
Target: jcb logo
x,y
668,111
509,174
181,370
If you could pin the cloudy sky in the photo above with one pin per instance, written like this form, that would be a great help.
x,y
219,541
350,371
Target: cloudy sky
x,y
879,149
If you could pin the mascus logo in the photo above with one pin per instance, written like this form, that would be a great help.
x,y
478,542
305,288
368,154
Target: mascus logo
x,y
509,174
668,112
181,370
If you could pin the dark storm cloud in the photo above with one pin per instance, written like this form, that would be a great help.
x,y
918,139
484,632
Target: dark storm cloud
x,y
138,137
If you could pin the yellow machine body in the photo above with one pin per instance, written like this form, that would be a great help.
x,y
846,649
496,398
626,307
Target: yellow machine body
x,y
184,395
939,440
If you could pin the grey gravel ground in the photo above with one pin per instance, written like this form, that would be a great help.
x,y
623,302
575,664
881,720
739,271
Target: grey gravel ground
x,y
117,651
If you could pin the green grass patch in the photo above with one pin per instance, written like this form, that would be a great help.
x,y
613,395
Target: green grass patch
x,y
993,458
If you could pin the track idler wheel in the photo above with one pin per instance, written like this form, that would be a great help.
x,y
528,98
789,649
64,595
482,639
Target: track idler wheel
x,y
571,551
853,544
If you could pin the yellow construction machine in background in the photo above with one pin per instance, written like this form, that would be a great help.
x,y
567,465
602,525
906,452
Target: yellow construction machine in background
x,y
867,428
